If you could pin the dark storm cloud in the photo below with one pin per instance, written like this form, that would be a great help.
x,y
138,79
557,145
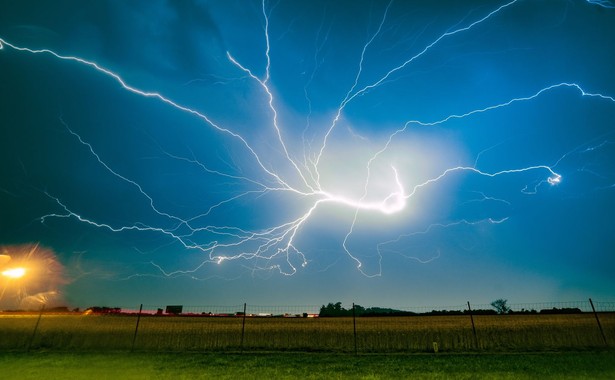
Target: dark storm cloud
x,y
171,38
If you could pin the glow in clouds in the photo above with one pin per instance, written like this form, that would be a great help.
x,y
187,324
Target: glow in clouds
x,y
369,186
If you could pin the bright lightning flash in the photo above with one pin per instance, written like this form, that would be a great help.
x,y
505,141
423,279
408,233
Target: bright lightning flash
x,y
304,177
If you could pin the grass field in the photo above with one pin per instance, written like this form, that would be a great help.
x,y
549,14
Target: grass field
x,y
72,346
496,333
120,365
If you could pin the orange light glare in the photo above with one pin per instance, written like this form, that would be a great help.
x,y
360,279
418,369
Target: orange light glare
x,y
14,272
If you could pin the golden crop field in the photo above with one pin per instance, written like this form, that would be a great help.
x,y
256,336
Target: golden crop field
x,y
373,334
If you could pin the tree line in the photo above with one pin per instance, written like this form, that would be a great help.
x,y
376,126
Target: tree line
x,y
499,307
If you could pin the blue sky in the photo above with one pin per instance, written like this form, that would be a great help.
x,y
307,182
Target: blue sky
x,y
305,152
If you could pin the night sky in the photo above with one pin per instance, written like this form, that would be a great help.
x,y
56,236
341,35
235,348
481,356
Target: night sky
x,y
303,152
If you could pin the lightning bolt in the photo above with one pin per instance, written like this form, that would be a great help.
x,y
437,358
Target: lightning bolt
x,y
363,90
277,243
602,3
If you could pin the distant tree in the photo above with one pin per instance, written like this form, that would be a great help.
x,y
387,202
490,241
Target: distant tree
x,y
331,310
500,306
564,310
337,307
323,310
334,310
359,310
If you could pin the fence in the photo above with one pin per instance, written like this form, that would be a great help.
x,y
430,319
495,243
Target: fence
x,y
460,328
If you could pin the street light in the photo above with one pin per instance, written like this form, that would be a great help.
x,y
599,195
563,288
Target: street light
x,y
30,276
14,272
10,275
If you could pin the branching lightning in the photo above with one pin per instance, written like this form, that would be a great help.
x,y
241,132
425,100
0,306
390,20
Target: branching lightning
x,y
277,244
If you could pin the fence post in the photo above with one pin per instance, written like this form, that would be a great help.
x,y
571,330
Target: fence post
x,y
35,328
598,321
473,327
134,337
354,329
243,325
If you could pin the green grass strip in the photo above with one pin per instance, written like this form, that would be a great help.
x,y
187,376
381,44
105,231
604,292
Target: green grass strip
x,y
191,365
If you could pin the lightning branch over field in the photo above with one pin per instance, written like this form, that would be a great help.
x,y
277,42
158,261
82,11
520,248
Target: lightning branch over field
x,y
386,189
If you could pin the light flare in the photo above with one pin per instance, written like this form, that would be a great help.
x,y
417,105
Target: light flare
x,y
30,276
14,273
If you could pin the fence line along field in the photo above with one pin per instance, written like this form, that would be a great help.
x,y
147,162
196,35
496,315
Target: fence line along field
x,y
73,331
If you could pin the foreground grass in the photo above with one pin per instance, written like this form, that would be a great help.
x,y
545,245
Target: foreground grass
x,y
122,365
